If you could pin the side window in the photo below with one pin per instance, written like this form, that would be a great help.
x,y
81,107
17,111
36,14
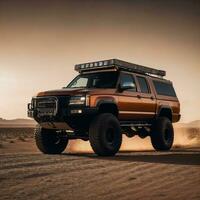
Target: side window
x,y
165,89
143,84
128,81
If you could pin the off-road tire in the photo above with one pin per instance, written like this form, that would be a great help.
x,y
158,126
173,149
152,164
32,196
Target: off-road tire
x,y
49,142
162,134
105,135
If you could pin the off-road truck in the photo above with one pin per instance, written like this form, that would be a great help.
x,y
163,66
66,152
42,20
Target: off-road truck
x,y
107,99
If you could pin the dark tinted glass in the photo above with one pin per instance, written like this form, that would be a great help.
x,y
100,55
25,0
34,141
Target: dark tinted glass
x,y
95,80
128,80
164,88
143,84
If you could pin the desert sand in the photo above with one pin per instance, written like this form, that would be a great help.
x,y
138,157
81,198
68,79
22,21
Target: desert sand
x,y
136,172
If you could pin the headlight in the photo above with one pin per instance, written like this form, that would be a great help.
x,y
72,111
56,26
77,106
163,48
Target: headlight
x,y
77,100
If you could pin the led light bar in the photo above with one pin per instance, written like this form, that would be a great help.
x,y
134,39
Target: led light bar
x,y
118,64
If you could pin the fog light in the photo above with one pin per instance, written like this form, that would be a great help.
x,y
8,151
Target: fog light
x,y
76,111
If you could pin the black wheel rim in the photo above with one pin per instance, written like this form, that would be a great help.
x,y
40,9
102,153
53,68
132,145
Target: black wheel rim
x,y
110,135
167,136
56,139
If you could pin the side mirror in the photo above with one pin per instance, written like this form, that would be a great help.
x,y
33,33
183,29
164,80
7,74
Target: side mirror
x,y
126,86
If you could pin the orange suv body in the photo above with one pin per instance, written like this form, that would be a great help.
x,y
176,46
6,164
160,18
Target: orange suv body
x,y
135,95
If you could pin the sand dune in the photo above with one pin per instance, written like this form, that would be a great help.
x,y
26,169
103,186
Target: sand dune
x,y
137,172
132,175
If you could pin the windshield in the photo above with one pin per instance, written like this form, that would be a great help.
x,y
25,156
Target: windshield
x,y
95,80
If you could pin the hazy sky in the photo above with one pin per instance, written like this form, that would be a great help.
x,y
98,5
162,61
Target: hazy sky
x,y
40,41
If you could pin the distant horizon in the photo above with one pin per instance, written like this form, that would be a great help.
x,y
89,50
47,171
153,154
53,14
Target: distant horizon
x,y
16,119
30,119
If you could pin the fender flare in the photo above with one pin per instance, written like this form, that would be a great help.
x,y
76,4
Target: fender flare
x,y
162,108
107,102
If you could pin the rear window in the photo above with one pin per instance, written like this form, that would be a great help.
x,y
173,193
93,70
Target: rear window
x,y
143,84
165,89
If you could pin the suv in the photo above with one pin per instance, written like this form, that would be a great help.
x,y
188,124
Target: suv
x,y
107,99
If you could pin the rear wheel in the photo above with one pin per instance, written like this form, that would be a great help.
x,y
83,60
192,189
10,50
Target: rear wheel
x,y
49,141
105,135
162,134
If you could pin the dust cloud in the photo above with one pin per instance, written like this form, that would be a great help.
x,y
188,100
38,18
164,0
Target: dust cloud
x,y
185,137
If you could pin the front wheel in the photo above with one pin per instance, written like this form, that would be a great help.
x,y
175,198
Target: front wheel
x,y
162,134
105,135
49,141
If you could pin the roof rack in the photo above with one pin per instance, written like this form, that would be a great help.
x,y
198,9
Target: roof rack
x,y
119,64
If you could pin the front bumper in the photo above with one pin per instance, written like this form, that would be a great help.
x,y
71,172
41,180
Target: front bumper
x,y
70,112
65,117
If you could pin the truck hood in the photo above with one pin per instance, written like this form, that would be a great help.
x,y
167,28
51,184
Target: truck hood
x,y
63,92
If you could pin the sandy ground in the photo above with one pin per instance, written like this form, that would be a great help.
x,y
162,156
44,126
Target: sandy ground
x,y
25,173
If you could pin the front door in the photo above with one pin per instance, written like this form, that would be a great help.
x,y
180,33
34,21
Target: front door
x,y
129,100
147,98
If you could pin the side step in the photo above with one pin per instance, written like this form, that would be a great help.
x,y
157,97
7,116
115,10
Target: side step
x,y
76,135
135,124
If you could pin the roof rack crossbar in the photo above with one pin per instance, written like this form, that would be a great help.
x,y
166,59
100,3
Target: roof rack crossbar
x,y
120,65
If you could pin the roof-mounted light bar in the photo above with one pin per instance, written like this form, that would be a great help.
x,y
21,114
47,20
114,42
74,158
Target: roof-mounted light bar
x,y
119,64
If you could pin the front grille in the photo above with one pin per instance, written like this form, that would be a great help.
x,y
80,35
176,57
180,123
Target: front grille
x,y
46,106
